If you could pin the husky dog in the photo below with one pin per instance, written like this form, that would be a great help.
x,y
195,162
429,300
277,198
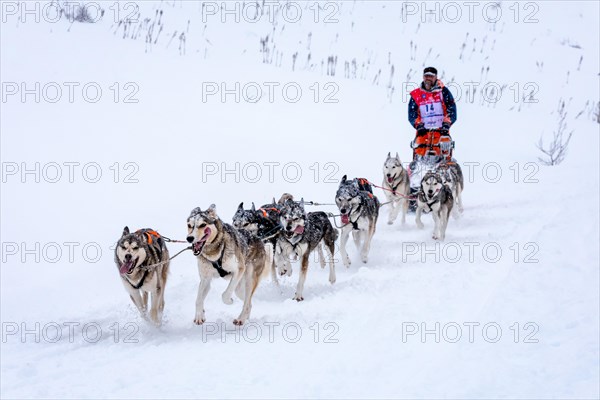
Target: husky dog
x,y
360,210
225,251
395,179
134,252
263,223
452,176
301,234
436,197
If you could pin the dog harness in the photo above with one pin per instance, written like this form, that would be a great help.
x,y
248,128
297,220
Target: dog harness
x,y
140,283
218,264
149,233
434,200
396,187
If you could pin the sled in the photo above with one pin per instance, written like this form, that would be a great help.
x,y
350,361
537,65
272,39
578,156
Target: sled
x,y
429,151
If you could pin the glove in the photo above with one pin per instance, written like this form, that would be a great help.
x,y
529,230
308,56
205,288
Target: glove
x,y
445,128
421,130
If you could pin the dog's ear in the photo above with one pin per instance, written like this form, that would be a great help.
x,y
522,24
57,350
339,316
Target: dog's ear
x,y
389,155
195,211
241,206
344,178
212,211
397,156
253,207
302,203
125,231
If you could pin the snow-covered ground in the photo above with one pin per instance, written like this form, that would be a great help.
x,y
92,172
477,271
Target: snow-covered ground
x,y
507,306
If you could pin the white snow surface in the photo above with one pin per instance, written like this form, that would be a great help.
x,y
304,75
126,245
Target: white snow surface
x,y
355,335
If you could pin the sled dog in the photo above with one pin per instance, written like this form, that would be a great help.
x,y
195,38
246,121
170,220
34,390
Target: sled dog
x,y
302,233
452,176
134,252
436,197
395,179
359,210
232,254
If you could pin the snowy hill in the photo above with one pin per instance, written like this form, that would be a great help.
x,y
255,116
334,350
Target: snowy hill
x,y
137,121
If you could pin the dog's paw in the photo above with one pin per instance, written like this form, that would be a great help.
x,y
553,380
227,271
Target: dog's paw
x,y
298,298
390,222
227,299
434,237
364,258
200,319
238,322
347,262
420,225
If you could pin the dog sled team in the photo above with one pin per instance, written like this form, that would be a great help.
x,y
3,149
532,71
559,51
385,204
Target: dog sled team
x,y
264,241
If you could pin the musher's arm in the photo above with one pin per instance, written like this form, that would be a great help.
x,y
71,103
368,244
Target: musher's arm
x,y
450,117
413,113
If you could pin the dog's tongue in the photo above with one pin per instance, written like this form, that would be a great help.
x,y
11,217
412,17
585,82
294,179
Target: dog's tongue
x,y
299,230
200,244
125,267
345,219
390,179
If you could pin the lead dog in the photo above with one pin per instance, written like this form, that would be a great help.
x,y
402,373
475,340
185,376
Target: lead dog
x,y
134,252
359,210
435,197
301,234
224,251
395,180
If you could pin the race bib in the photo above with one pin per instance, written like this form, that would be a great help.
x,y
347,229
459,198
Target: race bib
x,y
432,115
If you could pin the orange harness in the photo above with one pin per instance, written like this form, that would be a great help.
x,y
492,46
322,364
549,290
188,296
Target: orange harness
x,y
264,211
149,234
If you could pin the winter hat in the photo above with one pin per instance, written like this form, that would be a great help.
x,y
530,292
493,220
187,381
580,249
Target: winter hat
x,y
430,71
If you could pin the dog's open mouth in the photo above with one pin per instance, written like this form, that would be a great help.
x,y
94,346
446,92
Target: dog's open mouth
x,y
299,230
127,266
390,179
199,245
345,218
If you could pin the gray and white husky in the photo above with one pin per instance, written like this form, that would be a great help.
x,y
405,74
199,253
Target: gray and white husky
x,y
224,251
395,179
435,197
133,254
301,234
452,176
359,210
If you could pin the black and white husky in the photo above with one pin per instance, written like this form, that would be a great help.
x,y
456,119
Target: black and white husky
x,y
359,210
223,251
301,234
395,180
436,197
134,253
452,177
